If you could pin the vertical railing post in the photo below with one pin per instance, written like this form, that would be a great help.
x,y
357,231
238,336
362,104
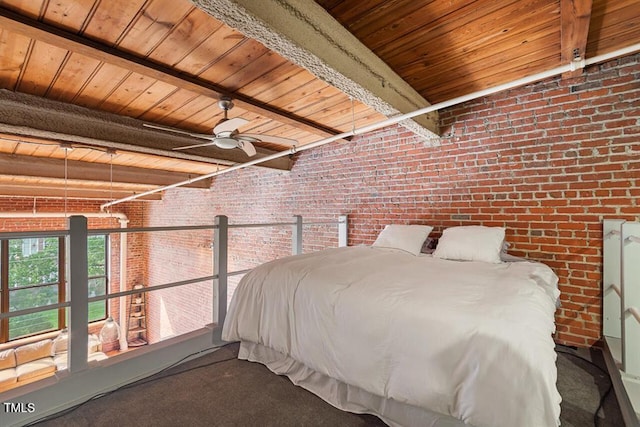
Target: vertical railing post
x,y
78,293
630,297
124,343
296,235
343,230
220,268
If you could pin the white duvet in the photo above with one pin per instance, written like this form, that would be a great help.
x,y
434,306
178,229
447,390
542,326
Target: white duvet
x,y
468,339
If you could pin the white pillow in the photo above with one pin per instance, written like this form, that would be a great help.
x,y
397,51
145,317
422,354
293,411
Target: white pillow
x,y
471,243
405,237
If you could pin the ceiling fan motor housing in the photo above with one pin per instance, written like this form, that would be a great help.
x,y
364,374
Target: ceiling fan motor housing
x,y
225,134
225,103
225,142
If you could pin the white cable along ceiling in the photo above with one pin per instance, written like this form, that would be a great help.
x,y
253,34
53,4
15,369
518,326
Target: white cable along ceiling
x,y
574,65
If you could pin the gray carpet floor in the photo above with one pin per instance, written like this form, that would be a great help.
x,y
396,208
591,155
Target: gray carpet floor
x,y
219,390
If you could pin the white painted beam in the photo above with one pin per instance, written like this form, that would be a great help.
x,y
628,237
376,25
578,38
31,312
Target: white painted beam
x,y
304,33
37,117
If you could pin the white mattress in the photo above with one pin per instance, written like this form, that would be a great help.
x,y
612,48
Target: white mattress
x,y
468,339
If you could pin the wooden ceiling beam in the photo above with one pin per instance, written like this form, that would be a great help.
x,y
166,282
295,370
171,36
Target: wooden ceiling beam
x,y
57,37
307,35
43,167
575,16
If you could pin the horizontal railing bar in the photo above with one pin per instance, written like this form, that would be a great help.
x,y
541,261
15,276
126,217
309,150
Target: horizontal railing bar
x,y
34,310
118,294
635,313
110,296
21,234
271,224
198,227
237,273
152,288
277,224
164,286
150,229
322,223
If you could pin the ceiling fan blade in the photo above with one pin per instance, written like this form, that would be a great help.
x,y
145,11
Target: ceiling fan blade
x,y
230,125
183,132
247,147
245,137
194,146
269,138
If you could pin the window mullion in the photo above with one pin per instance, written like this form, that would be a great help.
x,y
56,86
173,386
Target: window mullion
x,y
62,281
107,255
4,288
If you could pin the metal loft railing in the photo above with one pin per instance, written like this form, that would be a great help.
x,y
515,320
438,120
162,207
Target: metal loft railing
x,y
82,381
220,241
621,310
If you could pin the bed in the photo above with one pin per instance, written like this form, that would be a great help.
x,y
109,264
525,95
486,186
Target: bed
x,y
455,337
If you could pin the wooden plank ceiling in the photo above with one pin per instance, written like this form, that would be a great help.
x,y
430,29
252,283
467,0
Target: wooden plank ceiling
x,y
80,77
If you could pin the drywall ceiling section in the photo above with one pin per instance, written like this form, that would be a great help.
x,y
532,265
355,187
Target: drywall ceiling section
x,y
307,35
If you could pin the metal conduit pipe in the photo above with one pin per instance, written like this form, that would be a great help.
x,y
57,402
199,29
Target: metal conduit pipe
x,y
122,218
574,65
32,214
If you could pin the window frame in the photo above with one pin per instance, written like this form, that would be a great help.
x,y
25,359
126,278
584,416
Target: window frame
x,y
105,275
61,283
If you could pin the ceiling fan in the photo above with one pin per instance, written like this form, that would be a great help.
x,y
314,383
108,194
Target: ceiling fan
x,y
226,135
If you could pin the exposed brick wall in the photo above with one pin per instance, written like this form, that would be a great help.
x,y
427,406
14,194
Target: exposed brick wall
x,y
175,256
547,161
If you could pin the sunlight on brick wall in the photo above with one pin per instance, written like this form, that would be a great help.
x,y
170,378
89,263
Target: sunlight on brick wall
x,y
547,161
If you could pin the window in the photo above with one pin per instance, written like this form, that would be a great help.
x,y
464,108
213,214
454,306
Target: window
x,y
32,273
97,256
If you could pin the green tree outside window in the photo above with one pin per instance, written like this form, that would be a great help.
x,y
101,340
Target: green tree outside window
x,y
34,280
